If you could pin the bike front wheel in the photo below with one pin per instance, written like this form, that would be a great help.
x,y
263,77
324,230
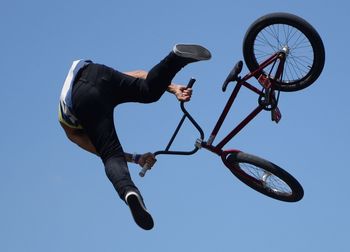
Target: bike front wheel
x,y
264,176
303,46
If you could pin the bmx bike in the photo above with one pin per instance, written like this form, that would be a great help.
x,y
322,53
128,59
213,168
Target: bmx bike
x,y
283,52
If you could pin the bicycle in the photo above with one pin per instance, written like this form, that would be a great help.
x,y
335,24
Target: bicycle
x,y
284,53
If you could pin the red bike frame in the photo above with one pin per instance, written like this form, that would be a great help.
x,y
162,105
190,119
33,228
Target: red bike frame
x,y
267,101
266,82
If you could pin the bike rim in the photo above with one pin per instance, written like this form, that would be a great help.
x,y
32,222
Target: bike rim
x,y
297,47
266,180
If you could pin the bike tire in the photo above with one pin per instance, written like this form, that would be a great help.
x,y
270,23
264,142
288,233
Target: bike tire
x,y
306,54
264,176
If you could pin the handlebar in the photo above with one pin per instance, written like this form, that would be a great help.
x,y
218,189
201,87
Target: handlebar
x,y
191,82
186,114
145,168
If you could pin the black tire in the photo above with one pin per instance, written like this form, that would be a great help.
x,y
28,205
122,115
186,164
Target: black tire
x,y
306,55
257,173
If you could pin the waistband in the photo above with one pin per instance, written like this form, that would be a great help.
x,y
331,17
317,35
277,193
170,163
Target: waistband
x,y
81,71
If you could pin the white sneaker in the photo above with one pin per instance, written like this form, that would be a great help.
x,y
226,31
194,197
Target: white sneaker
x,y
138,210
194,52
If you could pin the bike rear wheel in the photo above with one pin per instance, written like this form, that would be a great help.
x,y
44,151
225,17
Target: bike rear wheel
x,y
293,35
264,176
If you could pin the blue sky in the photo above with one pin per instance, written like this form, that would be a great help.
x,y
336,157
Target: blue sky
x,y
56,197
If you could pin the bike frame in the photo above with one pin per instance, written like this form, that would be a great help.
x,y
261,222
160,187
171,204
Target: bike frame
x,y
267,101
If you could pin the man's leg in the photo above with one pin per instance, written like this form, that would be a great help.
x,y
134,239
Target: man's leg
x,y
162,74
105,139
99,126
130,89
96,115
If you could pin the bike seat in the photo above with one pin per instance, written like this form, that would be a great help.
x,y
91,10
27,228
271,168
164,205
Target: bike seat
x,y
233,75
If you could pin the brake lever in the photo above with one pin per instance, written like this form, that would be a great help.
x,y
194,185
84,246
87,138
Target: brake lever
x,y
233,75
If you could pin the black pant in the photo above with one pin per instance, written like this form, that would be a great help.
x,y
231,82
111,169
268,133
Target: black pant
x,y
98,90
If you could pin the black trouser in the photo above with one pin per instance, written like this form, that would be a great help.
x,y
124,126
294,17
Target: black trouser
x,y
98,90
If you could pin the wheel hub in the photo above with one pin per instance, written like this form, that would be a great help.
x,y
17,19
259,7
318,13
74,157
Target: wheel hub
x,y
286,49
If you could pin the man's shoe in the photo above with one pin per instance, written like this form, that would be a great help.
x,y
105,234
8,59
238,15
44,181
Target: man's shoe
x,y
192,52
138,210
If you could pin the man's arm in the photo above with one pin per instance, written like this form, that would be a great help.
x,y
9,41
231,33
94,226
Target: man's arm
x,y
181,92
138,74
78,137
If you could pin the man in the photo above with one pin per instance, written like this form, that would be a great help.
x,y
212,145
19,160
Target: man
x,y
88,98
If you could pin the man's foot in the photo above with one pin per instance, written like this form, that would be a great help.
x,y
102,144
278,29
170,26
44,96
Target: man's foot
x,y
138,210
192,52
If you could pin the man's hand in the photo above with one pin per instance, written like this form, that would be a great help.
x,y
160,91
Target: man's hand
x,y
181,92
147,158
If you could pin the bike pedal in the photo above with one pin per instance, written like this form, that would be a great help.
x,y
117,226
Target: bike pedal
x,y
276,115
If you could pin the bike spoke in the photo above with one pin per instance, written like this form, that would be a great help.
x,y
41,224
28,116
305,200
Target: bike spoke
x,y
268,180
277,37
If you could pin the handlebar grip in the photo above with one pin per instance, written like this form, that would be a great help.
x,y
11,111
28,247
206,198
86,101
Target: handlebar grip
x,y
191,82
145,168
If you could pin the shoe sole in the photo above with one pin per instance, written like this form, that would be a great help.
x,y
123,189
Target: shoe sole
x,y
196,52
139,213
